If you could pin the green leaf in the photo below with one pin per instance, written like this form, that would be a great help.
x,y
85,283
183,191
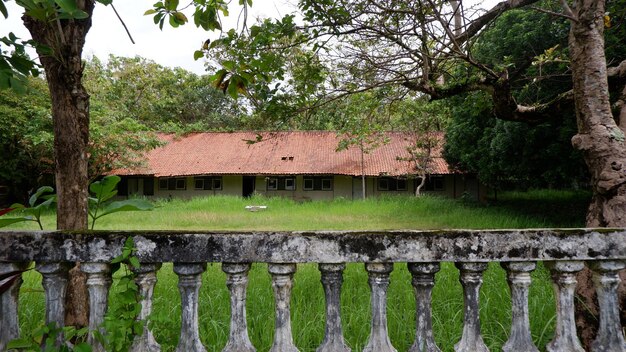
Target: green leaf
x,y
127,205
41,190
232,86
229,65
218,78
82,347
18,344
17,84
68,6
198,54
134,262
104,189
21,64
173,22
171,4
3,10
150,12
6,222
180,17
79,14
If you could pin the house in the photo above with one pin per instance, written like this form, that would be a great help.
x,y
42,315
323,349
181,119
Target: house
x,y
302,165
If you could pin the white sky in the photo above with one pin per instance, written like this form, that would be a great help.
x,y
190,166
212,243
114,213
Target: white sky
x,y
173,47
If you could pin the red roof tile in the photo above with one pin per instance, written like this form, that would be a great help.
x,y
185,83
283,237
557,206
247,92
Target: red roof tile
x,y
278,153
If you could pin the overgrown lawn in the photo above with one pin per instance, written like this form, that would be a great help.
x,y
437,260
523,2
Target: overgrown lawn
x,y
512,210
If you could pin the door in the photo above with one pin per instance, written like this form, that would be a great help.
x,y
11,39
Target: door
x,y
357,188
248,186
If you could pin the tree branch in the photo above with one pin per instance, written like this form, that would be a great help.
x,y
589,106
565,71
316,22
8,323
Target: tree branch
x,y
123,24
478,24
507,109
617,72
564,15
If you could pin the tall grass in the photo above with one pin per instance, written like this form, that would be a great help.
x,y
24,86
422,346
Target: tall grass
x,y
513,210
227,213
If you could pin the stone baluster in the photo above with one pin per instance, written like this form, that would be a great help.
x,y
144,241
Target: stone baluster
x,y
519,281
332,278
606,279
146,278
564,281
54,283
282,282
237,282
471,279
9,321
189,282
423,282
98,284
379,282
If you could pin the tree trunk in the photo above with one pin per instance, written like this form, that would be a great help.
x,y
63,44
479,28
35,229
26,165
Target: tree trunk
x,y
419,187
363,171
70,113
600,140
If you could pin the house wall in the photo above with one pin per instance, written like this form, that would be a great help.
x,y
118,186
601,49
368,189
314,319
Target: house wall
x,y
232,185
347,187
299,194
342,187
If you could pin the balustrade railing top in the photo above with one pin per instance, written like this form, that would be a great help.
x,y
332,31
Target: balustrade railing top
x,y
318,247
565,252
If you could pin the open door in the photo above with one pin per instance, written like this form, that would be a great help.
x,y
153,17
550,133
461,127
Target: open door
x,y
248,186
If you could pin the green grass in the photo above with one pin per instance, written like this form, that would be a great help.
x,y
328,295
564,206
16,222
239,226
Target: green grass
x,y
514,210
538,209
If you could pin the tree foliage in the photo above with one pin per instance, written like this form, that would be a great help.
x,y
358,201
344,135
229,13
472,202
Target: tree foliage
x,y
157,97
508,154
131,99
25,136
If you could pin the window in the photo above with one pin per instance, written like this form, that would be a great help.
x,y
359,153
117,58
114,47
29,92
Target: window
x,y
391,184
272,184
281,183
434,183
208,183
318,183
170,184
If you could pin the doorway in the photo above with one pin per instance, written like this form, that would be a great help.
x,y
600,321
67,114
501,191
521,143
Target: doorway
x,y
248,186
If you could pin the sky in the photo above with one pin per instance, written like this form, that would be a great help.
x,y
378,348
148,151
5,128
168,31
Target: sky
x,y
173,47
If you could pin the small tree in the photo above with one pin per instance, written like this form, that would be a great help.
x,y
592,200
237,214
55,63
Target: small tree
x,y
424,123
362,128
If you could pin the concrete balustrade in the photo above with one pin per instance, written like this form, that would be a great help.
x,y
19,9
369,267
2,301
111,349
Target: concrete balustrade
x,y
565,253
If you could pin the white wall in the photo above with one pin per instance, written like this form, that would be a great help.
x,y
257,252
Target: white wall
x,y
347,187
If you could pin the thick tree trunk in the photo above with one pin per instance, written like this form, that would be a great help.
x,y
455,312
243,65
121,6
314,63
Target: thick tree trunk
x,y
599,138
70,112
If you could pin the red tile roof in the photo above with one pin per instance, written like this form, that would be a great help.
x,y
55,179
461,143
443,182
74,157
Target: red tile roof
x,y
278,153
